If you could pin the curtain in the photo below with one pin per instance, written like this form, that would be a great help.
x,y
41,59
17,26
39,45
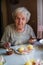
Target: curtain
x,y
39,19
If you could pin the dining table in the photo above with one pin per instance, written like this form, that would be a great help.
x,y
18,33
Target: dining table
x,y
20,59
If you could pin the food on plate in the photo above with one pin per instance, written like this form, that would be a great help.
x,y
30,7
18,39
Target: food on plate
x,y
26,49
9,51
1,63
33,62
28,63
30,47
21,49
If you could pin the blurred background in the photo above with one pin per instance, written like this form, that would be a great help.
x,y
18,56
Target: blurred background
x,y
34,6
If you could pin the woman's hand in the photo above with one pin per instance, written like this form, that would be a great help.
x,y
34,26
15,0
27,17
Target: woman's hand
x,y
7,45
32,40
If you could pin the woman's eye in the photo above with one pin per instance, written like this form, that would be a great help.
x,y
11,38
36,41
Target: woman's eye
x,y
16,17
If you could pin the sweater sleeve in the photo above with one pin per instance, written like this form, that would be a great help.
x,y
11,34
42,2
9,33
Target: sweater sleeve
x,y
32,33
6,35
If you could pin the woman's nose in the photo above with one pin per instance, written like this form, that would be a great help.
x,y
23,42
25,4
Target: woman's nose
x,y
20,21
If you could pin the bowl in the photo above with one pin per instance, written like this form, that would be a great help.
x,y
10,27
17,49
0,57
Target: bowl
x,y
9,51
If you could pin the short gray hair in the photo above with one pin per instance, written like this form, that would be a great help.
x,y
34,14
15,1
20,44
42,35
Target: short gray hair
x,y
22,10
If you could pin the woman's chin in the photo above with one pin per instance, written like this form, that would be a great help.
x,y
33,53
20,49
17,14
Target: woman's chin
x,y
20,29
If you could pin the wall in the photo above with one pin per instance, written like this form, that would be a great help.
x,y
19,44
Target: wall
x,y
4,12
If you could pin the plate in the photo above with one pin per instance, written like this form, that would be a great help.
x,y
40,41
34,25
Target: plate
x,y
41,41
23,52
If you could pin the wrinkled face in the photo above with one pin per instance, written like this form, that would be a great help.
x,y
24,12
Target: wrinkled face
x,y
20,20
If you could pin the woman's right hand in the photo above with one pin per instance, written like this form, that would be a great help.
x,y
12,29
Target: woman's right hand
x,y
6,45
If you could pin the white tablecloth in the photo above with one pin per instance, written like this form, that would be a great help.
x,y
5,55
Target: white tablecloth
x,y
16,59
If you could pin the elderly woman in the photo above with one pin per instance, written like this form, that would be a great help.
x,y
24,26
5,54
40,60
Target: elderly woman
x,y
19,32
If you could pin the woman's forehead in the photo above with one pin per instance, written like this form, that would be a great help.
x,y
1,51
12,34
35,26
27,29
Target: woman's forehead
x,y
20,14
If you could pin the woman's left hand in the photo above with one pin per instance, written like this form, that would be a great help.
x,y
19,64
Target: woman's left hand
x,y
32,40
